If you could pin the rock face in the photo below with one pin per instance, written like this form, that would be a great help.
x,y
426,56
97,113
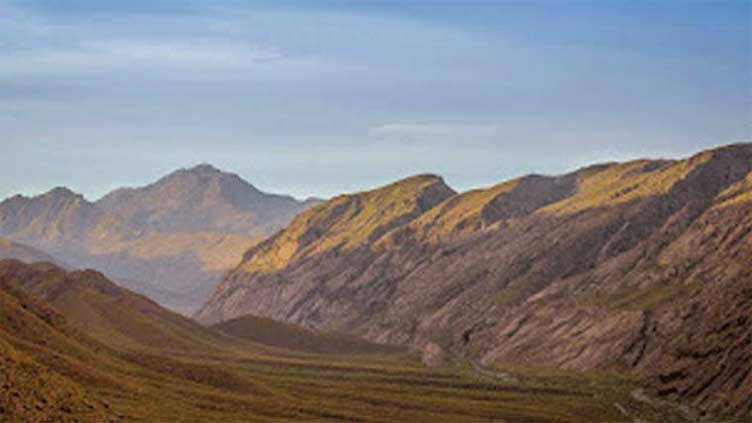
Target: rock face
x,y
172,240
642,266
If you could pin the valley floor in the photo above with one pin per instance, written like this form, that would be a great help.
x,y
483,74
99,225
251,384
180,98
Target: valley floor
x,y
76,348
268,387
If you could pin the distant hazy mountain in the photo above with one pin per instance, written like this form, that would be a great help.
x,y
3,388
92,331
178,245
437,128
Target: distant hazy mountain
x,y
202,199
24,253
171,240
643,266
59,218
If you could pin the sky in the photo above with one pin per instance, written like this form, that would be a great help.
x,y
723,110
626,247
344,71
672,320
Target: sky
x,y
316,98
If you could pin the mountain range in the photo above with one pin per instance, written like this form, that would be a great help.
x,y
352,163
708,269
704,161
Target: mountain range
x,y
617,292
643,266
171,240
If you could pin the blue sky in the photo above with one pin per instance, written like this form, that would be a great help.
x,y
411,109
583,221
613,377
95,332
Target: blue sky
x,y
320,97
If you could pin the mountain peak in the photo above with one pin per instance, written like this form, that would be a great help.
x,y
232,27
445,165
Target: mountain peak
x,y
203,198
350,221
422,177
61,192
60,195
204,168
205,174
408,189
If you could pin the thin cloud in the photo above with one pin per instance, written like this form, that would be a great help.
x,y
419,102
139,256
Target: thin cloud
x,y
372,92
154,53
434,129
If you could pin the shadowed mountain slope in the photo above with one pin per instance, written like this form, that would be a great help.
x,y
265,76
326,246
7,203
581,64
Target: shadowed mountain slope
x,y
171,240
42,365
265,331
611,266
100,308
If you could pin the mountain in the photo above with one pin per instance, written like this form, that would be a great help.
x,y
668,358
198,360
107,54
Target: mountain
x,y
202,199
24,253
171,240
640,267
74,347
100,308
59,219
38,354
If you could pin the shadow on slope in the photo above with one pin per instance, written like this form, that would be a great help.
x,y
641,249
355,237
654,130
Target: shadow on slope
x,y
270,332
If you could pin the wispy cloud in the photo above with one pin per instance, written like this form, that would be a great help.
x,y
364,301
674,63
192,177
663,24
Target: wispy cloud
x,y
36,43
473,89
434,129
202,53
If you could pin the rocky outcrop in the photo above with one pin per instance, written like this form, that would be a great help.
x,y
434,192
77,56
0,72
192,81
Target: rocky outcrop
x,y
612,266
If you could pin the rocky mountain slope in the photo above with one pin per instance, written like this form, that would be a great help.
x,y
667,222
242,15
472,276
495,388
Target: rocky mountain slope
x,y
641,266
171,240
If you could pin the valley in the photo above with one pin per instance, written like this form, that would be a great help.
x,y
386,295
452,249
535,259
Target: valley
x,y
102,366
